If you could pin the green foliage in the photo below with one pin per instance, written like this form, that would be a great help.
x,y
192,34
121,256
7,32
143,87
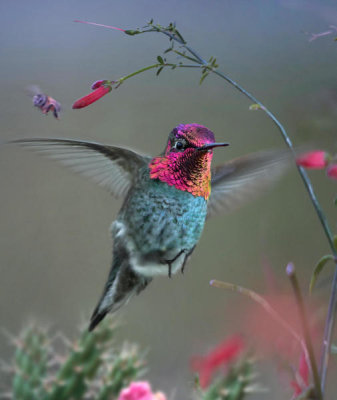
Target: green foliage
x,y
335,241
30,364
318,268
234,385
132,32
333,349
254,107
90,368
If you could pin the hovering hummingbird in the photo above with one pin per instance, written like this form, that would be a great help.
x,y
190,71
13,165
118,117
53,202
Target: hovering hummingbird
x,y
166,200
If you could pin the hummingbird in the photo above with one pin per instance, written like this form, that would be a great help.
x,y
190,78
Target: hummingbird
x,y
167,199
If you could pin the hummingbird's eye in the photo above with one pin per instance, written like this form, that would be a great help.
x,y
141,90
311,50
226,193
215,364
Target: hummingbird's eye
x,y
179,145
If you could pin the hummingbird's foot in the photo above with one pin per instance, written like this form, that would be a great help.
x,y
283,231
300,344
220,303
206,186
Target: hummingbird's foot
x,y
170,262
186,258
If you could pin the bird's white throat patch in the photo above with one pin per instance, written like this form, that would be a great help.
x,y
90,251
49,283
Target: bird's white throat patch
x,y
146,268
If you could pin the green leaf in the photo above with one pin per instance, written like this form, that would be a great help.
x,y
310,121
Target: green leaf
x,y
318,268
179,36
335,201
160,60
203,76
132,32
183,54
335,241
333,349
168,50
254,107
159,70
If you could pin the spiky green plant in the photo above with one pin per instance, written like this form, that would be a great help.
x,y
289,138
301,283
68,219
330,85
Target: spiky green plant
x,y
88,368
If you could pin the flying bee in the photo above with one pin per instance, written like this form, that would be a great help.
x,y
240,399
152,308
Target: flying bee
x,y
44,102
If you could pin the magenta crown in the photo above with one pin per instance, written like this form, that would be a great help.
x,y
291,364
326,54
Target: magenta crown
x,y
195,133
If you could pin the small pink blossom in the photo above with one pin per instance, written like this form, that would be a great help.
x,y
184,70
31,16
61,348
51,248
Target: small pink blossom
x,y
316,159
92,97
140,390
332,171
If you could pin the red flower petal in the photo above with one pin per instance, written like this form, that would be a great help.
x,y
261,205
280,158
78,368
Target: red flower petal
x,y
97,84
91,97
317,159
223,354
297,388
303,369
332,171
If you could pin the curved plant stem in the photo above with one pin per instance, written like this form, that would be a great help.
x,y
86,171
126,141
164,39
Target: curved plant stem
x,y
264,304
290,270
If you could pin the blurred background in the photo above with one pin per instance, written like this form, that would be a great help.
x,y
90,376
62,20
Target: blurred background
x,y
55,245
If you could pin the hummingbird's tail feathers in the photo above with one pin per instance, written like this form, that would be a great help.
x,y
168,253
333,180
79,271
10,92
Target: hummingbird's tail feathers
x,y
96,318
122,284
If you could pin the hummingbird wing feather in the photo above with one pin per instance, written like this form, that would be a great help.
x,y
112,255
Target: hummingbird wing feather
x,y
111,167
245,178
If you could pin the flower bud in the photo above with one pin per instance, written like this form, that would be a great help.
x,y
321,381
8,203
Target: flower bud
x,y
332,171
91,97
97,84
317,159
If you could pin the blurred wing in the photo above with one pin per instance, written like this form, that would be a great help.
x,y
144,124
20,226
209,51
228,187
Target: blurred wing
x,y
245,178
33,90
111,167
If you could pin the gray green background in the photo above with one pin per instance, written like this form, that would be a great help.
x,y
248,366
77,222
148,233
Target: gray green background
x,y
55,246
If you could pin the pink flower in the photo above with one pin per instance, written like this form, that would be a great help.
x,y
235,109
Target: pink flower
x,y
316,159
223,354
332,171
140,390
90,98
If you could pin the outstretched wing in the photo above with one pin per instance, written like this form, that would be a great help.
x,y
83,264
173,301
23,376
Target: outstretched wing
x,y
245,178
111,167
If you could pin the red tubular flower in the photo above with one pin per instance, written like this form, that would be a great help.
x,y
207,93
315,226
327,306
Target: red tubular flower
x,y
332,171
316,159
92,97
223,354
301,381
303,369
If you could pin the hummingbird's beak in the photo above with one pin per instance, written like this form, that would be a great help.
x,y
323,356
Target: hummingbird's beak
x,y
210,146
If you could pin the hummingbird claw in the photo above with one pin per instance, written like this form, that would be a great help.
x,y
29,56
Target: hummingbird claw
x,y
170,262
186,258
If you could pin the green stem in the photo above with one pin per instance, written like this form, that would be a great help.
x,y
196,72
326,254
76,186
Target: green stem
x,y
124,78
153,66
305,326
184,55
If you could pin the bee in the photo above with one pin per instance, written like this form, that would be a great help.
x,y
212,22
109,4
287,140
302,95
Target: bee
x,y
44,102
